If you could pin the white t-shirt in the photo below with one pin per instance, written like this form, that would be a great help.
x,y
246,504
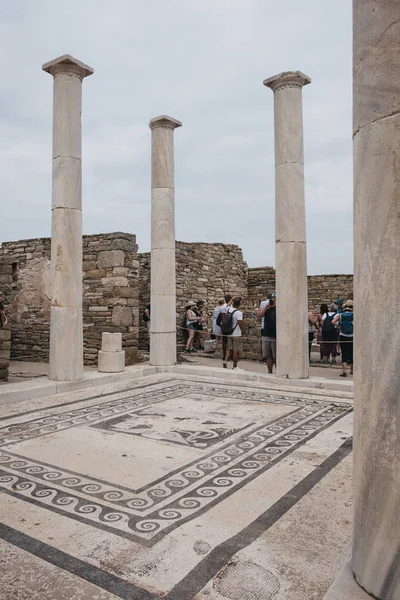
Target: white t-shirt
x,y
263,303
238,316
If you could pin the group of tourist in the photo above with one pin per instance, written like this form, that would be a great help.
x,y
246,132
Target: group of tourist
x,y
335,328
227,327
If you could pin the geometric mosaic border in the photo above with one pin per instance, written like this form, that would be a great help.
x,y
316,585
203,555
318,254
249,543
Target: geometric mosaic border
x,y
149,513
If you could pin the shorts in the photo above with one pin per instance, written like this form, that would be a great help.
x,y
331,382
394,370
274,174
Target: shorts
x,y
268,348
235,343
346,346
191,326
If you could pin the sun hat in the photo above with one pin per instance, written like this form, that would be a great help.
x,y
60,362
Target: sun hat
x,y
190,303
348,304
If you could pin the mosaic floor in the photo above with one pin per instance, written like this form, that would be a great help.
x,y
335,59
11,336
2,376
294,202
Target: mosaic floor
x,y
174,487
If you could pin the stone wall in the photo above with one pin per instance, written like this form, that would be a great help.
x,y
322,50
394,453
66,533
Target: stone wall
x,y
110,294
203,271
116,290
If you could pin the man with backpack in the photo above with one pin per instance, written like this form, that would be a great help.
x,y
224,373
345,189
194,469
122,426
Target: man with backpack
x,y
232,327
220,318
268,338
329,335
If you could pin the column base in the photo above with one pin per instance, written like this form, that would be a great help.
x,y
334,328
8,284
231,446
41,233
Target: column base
x,y
345,587
163,349
111,362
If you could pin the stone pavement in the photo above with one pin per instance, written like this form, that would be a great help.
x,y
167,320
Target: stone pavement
x,y
175,486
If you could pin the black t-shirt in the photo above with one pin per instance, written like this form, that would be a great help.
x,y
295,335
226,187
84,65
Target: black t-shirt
x,y
269,329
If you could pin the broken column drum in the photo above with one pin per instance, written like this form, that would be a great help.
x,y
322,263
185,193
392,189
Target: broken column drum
x,y
163,289
66,330
290,226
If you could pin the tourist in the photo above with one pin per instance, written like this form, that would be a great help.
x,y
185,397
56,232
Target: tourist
x,y
323,310
191,322
228,302
345,321
329,335
216,329
311,330
201,323
268,339
264,302
233,328
146,319
339,305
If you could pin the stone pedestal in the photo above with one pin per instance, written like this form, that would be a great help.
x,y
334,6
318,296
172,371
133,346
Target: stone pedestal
x,y
376,129
66,339
111,355
290,226
163,289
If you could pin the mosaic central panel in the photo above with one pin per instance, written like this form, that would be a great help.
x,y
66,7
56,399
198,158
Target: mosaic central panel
x,y
223,439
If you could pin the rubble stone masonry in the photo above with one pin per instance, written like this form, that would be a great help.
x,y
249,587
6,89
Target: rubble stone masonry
x,y
116,290
110,295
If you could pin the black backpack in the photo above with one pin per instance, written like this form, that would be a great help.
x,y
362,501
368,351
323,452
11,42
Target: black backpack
x,y
227,326
328,327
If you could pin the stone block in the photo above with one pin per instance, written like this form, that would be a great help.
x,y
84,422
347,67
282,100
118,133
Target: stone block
x,y
110,258
131,354
111,342
122,315
111,362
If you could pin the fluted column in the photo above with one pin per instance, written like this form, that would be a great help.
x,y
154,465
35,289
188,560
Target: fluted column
x,y
163,288
66,332
290,226
376,129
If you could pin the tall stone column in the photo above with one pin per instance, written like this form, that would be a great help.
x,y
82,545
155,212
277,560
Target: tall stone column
x,y
66,335
290,226
376,129
163,289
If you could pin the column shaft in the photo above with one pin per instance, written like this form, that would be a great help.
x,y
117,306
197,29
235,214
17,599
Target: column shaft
x,y
66,333
290,226
163,287
376,546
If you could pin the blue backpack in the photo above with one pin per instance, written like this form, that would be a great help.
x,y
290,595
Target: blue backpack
x,y
346,323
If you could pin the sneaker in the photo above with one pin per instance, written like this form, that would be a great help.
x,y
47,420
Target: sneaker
x,y
264,361
224,365
237,369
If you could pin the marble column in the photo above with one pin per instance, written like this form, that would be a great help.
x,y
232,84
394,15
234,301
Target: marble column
x,y
163,289
290,226
376,134
66,343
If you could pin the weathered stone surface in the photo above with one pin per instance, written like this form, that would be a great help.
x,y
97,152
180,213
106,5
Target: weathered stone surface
x,y
375,560
111,362
163,281
122,315
110,258
111,342
290,226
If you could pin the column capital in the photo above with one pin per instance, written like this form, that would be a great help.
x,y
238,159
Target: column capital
x,y
287,79
67,64
164,121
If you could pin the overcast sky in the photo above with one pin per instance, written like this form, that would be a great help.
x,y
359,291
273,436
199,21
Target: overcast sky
x,y
202,62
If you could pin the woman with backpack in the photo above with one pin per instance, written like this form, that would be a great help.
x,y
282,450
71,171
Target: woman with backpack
x,y
345,320
191,325
329,335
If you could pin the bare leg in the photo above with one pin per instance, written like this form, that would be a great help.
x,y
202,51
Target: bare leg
x,y
235,358
270,364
